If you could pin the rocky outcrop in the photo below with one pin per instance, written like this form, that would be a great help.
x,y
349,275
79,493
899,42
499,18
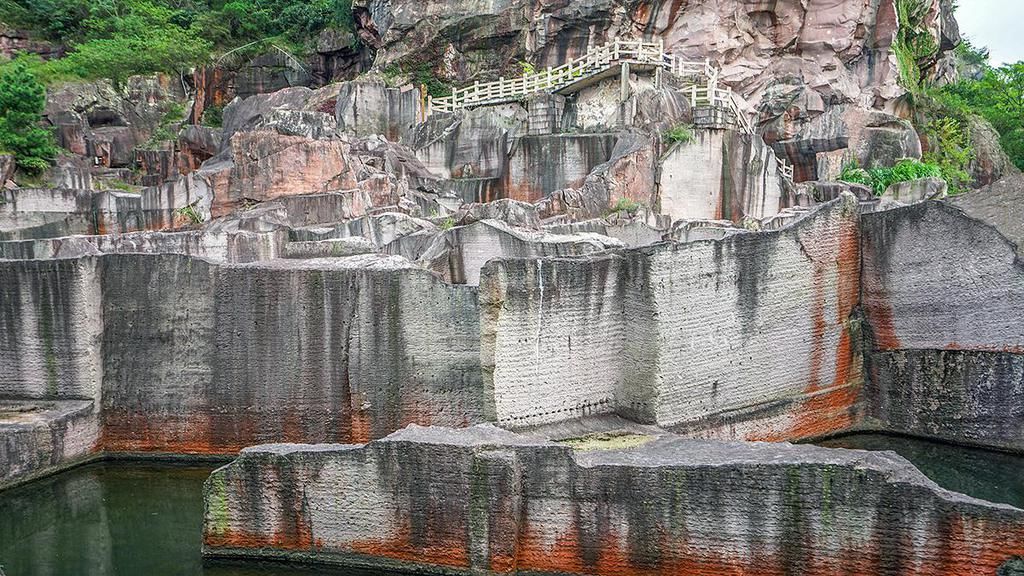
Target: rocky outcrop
x,y
808,68
990,163
368,106
106,123
946,334
719,175
485,501
14,42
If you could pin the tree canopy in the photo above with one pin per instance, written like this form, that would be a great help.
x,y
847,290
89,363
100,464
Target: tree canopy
x,y
118,38
22,100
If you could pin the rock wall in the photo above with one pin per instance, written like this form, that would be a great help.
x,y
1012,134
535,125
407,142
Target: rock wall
x,y
682,335
947,333
41,436
186,356
720,175
777,303
51,328
753,335
484,501
553,337
539,165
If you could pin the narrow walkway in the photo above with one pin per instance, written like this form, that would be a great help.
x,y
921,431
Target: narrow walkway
x,y
698,79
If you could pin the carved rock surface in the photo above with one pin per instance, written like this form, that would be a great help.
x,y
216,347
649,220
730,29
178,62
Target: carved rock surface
x,y
486,501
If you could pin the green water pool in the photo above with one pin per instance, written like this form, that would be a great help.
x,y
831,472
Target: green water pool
x,y
145,519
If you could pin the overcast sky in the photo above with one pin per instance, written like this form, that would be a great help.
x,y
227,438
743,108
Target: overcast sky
x,y
997,24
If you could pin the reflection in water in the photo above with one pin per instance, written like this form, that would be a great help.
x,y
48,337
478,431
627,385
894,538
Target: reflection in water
x,y
146,519
114,518
992,476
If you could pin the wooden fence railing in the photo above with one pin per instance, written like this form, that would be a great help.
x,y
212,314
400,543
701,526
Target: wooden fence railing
x,y
596,61
699,80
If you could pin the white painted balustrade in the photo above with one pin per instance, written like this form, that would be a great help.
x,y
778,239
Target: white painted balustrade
x,y
700,82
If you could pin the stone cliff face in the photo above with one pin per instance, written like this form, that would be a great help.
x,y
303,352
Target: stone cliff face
x,y
838,321
811,69
485,501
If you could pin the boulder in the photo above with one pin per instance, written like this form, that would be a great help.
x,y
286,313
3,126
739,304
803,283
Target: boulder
x,y
990,162
268,165
511,212
368,106
915,191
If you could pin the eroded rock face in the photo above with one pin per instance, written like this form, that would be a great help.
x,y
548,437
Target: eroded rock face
x,y
946,333
106,123
990,163
795,62
485,501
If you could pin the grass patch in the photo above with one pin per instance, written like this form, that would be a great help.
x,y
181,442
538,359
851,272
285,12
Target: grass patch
x,y
607,441
191,214
625,205
879,179
681,134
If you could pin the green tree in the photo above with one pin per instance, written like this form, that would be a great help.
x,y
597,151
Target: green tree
x,y
22,100
998,96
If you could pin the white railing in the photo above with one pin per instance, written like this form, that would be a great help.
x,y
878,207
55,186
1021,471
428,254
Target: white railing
x,y
594,62
700,81
785,169
597,61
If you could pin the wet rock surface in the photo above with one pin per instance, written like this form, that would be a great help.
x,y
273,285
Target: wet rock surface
x,y
485,500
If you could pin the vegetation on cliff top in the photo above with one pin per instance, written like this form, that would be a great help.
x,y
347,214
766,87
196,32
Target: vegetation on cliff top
x,y
118,38
943,113
22,100
879,179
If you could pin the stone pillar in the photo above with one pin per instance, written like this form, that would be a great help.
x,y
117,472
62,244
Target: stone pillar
x,y
545,114
624,82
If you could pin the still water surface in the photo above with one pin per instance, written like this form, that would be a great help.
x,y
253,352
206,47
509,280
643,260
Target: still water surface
x,y
130,519
992,476
116,518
